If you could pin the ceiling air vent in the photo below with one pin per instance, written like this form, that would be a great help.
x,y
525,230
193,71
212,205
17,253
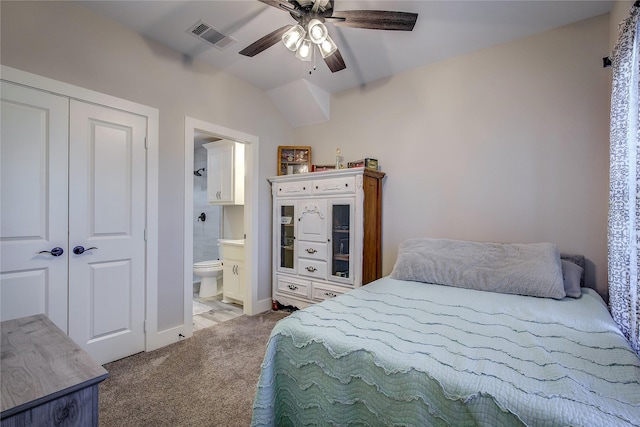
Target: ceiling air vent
x,y
206,32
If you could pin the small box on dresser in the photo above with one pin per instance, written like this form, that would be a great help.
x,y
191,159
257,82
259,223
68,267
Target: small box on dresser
x,y
327,229
367,163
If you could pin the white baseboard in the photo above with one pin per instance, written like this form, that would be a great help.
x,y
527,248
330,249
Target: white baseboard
x,y
262,306
172,335
167,337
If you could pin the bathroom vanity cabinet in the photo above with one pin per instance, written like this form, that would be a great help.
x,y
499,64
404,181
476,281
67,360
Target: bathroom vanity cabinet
x,y
233,279
225,172
327,229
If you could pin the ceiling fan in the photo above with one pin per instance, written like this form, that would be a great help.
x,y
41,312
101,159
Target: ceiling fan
x,y
310,29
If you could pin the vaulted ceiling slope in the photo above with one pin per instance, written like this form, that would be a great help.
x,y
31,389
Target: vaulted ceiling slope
x,y
443,29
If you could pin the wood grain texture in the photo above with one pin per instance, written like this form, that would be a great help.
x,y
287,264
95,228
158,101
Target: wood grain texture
x,y
41,363
335,62
372,245
265,42
75,409
375,19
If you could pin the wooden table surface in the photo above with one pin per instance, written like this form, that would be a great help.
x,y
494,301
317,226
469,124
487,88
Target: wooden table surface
x,y
40,363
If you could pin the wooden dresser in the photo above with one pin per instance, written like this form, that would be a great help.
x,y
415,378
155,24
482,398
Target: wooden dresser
x,y
46,378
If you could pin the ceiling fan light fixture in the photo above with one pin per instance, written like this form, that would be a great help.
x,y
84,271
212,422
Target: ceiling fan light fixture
x,y
327,47
317,31
305,51
293,37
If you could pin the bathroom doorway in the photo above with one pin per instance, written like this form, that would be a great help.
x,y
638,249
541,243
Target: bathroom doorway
x,y
251,304
209,309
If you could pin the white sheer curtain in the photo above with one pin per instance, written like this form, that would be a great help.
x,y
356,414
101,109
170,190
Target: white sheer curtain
x,y
624,191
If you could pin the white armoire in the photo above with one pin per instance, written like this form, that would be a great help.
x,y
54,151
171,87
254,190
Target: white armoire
x,y
327,229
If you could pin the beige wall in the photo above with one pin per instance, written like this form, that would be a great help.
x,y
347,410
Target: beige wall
x,y
507,144
66,42
619,12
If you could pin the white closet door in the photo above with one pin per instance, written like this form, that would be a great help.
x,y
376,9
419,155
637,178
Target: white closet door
x,y
107,191
33,204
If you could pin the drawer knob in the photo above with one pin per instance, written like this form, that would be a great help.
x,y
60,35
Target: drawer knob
x,y
330,294
311,250
311,268
292,287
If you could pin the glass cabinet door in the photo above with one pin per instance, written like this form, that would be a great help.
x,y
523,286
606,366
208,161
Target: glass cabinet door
x,y
342,242
286,213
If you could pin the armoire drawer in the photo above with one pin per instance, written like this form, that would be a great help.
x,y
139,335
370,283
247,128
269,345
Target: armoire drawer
x,y
343,185
312,250
321,292
291,189
300,288
312,268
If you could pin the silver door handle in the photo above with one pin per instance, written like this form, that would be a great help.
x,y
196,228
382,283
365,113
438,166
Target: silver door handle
x,y
79,250
311,250
57,251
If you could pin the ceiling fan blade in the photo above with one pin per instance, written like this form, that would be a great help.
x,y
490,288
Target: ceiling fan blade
x,y
335,62
375,19
265,42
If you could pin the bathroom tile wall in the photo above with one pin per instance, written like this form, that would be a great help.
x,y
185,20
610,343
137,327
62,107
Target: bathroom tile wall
x,y
207,233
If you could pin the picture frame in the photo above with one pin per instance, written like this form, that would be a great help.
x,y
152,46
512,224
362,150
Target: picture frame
x,y
294,159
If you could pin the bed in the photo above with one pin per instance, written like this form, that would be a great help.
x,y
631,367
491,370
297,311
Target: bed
x,y
408,350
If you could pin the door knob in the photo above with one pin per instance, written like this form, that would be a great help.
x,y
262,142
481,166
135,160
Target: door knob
x,y
57,251
79,250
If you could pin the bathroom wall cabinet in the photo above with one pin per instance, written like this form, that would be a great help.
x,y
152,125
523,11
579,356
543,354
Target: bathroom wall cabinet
x,y
225,172
327,229
233,279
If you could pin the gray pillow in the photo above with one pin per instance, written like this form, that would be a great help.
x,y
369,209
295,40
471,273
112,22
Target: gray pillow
x,y
526,269
571,275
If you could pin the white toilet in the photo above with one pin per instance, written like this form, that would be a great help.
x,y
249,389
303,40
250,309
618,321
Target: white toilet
x,y
210,273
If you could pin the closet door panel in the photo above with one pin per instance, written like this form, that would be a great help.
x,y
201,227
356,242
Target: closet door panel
x,y
33,208
111,204
107,212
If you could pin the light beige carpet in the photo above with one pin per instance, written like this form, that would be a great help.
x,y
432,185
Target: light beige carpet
x,y
207,380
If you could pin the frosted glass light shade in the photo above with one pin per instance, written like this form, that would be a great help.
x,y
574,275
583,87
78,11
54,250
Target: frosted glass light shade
x,y
317,31
327,47
293,37
305,51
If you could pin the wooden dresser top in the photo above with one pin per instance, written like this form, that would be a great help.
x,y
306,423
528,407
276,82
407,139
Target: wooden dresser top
x,y
41,363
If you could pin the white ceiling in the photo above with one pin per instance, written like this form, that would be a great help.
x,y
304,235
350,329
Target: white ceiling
x,y
444,29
